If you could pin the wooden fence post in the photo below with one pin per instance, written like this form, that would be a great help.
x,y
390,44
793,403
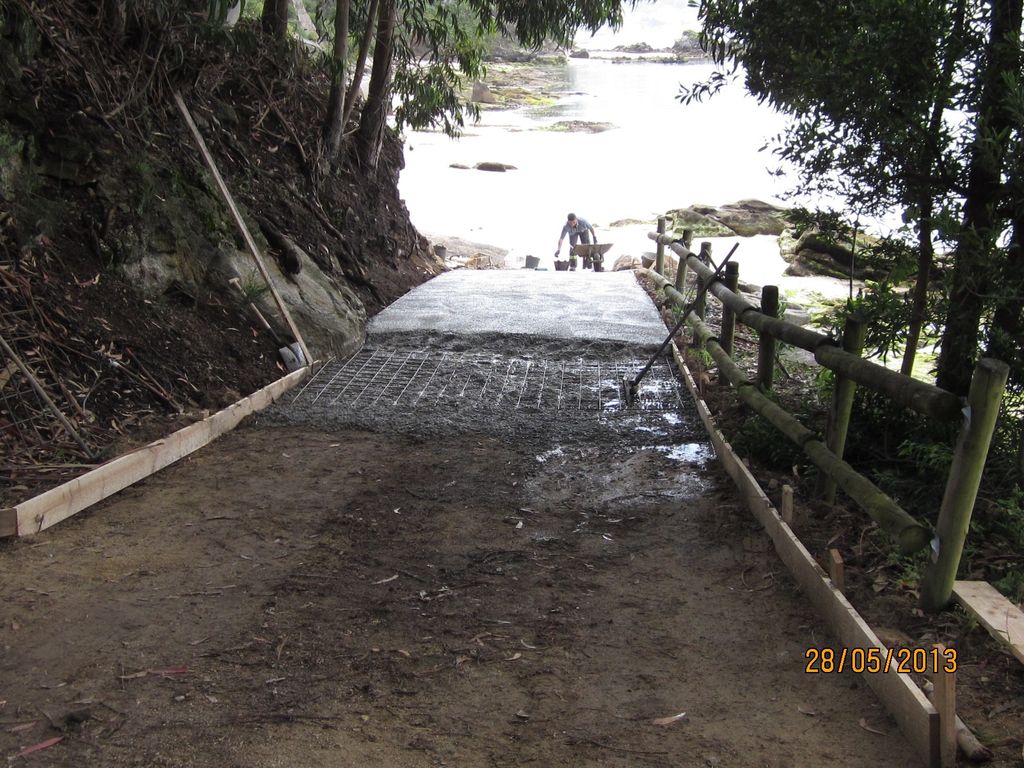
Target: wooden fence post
x,y
843,391
964,479
766,348
680,284
700,309
732,279
659,259
688,237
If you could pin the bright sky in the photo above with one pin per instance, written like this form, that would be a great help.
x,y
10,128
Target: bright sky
x,y
659,24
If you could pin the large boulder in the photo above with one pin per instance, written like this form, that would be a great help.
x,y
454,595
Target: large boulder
x,y
494,167
625,262
482,94
701,224
747,218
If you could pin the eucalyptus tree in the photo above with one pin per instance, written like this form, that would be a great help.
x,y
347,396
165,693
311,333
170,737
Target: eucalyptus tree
x,y
423,50
872,87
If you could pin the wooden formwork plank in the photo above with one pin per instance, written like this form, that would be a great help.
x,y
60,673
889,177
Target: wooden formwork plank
x,y
917,718
999,616
60,503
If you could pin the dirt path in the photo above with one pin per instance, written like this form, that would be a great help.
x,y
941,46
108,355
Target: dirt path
x,y
443,551
293,596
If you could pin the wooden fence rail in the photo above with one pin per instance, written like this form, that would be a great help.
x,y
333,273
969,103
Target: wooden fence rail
x,y
977,415
911,393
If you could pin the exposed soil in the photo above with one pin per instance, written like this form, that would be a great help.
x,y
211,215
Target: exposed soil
x,y
86,197
424,593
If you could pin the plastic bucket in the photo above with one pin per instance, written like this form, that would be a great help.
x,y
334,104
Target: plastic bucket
x,y
561,266
532,262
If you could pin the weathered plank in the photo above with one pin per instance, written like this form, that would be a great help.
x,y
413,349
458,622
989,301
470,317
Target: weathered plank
x,y
60,503
999,616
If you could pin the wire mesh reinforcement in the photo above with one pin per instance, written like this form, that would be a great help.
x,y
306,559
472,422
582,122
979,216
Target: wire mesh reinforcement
x,y
400,378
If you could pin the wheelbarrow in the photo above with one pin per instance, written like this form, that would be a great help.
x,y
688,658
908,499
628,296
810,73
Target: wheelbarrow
x,y
591,253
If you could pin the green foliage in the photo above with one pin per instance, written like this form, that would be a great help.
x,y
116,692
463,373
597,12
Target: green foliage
x,y
252,288
757,437
429,85
886,313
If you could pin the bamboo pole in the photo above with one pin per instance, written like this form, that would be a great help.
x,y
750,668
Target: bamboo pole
x,y
965,474
688,238
659,259
236,214
843,393
766,346
732,279
38,388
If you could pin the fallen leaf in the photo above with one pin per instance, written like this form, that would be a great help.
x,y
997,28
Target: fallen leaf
x,y
40,746
522,715
22,727
670,719
863,723
805,710
527,645
169,671
405,653
515,657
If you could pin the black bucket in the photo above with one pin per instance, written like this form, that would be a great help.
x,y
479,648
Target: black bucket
x,y
561,266
532,262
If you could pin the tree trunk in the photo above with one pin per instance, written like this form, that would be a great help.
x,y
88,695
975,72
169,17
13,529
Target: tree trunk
x,y
375,110
275,18
334,125
1007,335
919,299
357,73
981,226
952,51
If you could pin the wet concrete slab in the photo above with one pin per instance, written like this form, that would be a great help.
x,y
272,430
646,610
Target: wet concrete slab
x,y
581,305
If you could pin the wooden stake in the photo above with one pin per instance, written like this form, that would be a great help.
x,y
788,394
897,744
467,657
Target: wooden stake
x,y
236,214
788,515
836,571
944,699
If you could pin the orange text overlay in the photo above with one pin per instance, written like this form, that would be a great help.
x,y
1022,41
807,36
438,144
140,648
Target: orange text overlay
x,y
919,661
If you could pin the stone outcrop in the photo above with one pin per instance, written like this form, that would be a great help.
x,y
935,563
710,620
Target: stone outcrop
x,y
482,94
494,167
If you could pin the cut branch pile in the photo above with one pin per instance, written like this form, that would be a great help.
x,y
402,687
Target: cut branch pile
x,y
50,374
